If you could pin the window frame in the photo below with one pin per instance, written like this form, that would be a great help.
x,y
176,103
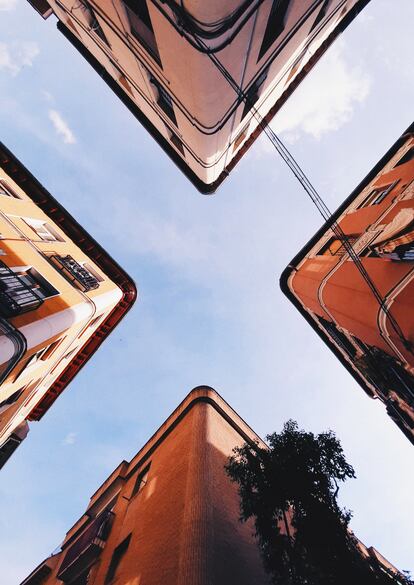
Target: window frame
x,y
117,556
275,21
141,480
9,191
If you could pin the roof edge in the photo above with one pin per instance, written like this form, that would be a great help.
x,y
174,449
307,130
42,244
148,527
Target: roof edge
x,y
200,394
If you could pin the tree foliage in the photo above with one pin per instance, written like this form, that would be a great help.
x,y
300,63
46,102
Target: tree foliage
x,y
290,490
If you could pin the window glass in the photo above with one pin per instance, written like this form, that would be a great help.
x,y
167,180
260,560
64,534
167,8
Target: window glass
x,y
117,556
44,230
141,481
6,190
275,25
92,21
141,26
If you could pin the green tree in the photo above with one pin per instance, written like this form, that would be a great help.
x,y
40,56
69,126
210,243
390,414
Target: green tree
x,y
290,490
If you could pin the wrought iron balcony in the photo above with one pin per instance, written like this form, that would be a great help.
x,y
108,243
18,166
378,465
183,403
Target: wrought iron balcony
x,y
86,548
16,296
75,272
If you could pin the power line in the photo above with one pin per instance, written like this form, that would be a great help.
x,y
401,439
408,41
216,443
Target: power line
x,y
316,199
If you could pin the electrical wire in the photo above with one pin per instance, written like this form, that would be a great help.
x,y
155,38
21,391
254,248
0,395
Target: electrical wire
x,y
311,191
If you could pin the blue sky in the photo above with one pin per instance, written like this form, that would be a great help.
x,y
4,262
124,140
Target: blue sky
x,y
210,310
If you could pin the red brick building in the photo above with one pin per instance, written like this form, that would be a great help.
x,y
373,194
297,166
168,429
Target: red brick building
x,y
170,516
374,341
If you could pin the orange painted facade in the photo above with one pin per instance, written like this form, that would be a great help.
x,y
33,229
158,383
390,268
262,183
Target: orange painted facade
x,y
171,514
60,296
374,340
158,57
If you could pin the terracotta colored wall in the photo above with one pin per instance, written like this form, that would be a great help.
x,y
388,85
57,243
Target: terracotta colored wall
x,y
184,522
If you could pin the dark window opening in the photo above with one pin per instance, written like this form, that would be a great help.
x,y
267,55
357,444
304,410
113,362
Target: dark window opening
x,y
141,26
39,285
377,196
74,272
119,552
253,93
141,481
408,156
7,191
336,247
275,25
22,291
177,142
164,100
93,22
321,15
11,399
51,349
240,138
82,579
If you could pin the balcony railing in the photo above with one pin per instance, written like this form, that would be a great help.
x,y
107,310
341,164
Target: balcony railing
x,y
16,296
75,272
87,547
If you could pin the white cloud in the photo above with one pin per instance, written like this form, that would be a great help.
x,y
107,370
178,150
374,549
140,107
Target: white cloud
x,y
61,127
326,99
8,5
70,439
16,55
47,96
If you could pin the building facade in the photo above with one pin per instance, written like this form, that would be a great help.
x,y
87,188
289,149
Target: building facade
x,y
171,514
160,57
60,295
373,337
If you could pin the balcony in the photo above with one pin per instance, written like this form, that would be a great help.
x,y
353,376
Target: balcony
x,y
86,548
75,272
16,296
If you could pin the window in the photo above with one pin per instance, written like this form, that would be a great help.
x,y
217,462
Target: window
x,y
44,230
119,552
275,25
335,247
377,196
408,156
92,271
176,141
22,289
70,353
35,281
82,579
11,399
51,349
92,21
294,69
253,93
321,15
141,481
141,26
31,361
164,100
74,272
6,190
240,138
